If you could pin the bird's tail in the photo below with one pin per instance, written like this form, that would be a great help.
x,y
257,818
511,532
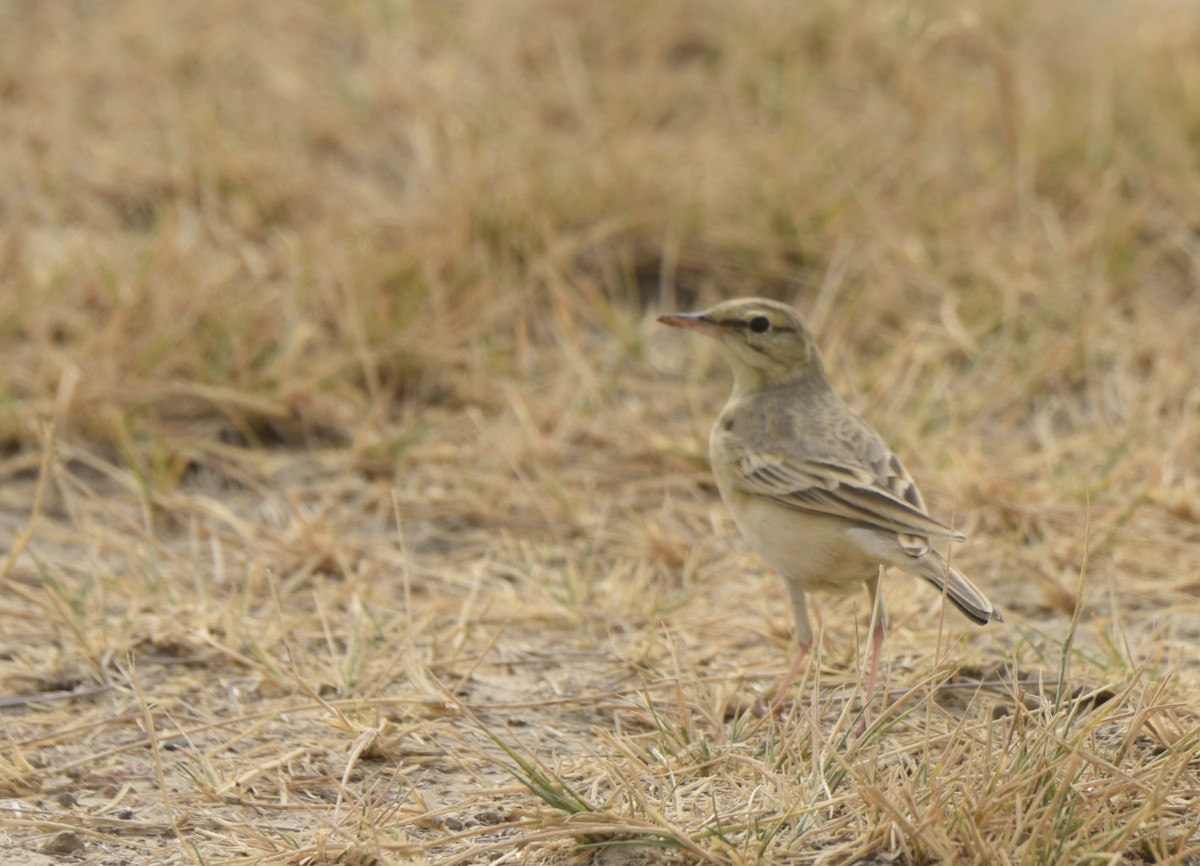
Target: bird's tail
x,y
967,597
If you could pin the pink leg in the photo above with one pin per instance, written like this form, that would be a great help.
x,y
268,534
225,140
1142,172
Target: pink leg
x,y
877,635
789,677
804,637
879,628
872,677
879,615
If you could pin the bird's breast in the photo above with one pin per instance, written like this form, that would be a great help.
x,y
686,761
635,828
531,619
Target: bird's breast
x,y
816,551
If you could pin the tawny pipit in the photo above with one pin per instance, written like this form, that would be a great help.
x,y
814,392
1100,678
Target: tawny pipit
x,y
811,486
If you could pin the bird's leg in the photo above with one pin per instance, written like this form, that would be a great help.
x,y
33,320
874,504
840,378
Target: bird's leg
x,y
780,690
804,636
877,634
878,630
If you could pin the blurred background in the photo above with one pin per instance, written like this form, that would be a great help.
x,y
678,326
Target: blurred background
x,y
277,222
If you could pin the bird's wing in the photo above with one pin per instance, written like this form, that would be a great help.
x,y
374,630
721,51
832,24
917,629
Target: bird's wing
x,y
878,493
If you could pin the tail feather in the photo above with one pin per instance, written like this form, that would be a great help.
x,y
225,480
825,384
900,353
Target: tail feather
x,y
967,597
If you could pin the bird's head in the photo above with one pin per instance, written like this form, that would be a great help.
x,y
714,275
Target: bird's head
x,y
767,342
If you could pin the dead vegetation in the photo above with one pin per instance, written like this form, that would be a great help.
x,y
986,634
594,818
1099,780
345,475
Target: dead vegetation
x,y
355,511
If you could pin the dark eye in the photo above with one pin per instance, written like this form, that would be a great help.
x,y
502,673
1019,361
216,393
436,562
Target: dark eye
x,y
760,324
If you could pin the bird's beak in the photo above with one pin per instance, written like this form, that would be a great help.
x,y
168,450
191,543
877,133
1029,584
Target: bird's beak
x,y
693,322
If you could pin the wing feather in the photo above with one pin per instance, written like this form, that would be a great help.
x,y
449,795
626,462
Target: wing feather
x,y
886,499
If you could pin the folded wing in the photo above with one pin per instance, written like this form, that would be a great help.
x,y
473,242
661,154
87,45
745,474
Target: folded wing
x,y
883,496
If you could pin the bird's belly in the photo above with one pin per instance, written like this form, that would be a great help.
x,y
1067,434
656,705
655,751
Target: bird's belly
x,y
813,550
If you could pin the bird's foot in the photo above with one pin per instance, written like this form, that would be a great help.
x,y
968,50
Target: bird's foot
x,y
772,701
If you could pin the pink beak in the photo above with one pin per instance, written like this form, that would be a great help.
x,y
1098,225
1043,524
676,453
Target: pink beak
x,y
693,322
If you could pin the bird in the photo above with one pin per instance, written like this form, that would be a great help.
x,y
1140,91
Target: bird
x,y
812,487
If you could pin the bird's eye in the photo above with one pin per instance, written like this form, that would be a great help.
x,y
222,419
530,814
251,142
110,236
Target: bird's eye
x,y
760,324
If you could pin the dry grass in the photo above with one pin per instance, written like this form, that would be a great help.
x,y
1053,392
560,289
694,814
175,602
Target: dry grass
x,y
358,513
